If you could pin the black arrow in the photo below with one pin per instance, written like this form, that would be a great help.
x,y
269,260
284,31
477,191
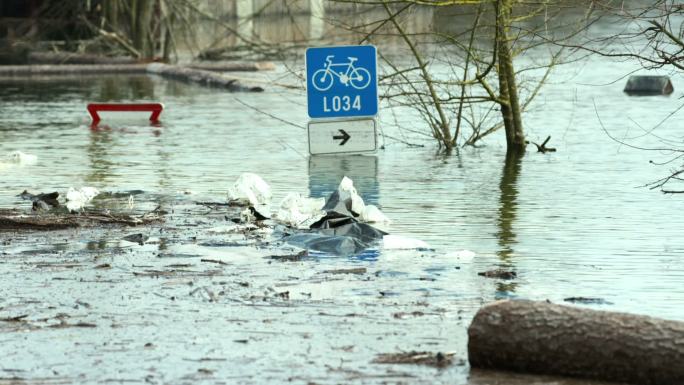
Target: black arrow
x,y
344,137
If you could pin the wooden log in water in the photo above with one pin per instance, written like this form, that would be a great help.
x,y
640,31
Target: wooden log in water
x,y
41,57
543,338
71,69
203,77
234,66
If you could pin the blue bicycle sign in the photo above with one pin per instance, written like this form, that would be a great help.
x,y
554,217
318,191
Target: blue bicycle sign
x,y
347,74
341,81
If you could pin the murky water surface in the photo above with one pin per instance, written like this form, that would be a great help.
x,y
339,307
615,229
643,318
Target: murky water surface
x,y
571,223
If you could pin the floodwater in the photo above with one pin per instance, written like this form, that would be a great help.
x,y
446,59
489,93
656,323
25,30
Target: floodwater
x,y
574,223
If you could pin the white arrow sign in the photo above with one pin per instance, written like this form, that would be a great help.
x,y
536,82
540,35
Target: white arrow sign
x,y
342,136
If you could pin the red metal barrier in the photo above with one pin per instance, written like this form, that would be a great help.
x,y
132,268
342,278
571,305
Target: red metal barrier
x,y
154,108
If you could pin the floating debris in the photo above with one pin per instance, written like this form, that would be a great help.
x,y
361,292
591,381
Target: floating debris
x,y
250,189
138,238
499,273
299,212
18,157
291,257
78,198
42,201
439,360
588,300
356,270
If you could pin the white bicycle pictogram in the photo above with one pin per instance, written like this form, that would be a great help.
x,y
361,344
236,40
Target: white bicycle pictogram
x,y
324,78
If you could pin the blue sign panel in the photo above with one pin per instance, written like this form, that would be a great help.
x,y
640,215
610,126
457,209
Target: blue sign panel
x,y
342,81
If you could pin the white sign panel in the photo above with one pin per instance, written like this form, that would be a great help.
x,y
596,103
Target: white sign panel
x,y
342,136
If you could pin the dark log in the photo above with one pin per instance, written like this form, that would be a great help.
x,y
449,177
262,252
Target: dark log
x,y
75,69
203,77
234,66
543,338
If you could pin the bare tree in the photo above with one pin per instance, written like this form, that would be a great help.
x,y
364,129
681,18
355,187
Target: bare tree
x,y
653,36
483,76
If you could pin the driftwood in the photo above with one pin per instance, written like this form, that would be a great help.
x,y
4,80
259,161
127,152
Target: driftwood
x,y
543,338
15,220
234,66
72,69
203,77
542,147
37,57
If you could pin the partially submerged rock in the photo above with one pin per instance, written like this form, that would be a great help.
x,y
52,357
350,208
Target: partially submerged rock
x,y
648,85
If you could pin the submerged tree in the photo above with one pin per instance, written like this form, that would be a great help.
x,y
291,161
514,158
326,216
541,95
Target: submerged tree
x,y
483,76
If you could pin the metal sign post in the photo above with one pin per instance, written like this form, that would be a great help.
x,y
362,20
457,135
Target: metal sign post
x,y
342,83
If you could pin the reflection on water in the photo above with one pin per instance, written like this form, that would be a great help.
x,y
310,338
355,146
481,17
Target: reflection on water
x,y
508,206
326,172
99,147
127,88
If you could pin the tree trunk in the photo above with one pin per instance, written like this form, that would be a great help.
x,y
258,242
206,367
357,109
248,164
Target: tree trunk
x,y
510,111
543,338
111,14
142,36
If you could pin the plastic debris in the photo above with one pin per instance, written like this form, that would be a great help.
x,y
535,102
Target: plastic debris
x,y
347,202
337,245
300,212
18,157
250,189
346,226
398,242
347,186
372,214
339,231
77,199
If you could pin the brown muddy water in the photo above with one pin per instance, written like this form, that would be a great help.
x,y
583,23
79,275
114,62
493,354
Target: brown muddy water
x,y
201,302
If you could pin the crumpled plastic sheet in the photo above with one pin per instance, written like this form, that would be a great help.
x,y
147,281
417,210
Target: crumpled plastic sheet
x,y
339,231
300,212
250,189
337,245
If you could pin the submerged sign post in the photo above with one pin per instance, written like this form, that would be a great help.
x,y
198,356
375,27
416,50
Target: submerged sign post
x,y
342,98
